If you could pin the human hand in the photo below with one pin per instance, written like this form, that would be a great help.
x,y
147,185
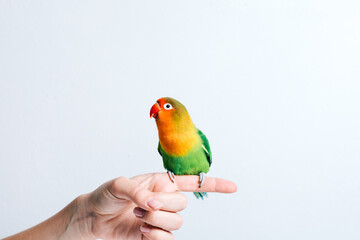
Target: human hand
x,y
142,207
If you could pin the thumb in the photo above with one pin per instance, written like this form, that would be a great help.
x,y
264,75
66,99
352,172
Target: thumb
x,y
124,188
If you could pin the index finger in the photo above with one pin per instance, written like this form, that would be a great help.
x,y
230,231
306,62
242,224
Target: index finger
x,y
188,183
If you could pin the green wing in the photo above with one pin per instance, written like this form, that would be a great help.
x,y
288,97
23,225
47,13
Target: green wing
x,y
206,146
160,149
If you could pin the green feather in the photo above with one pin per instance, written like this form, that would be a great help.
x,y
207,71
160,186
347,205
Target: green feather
x,y
206,146
201,195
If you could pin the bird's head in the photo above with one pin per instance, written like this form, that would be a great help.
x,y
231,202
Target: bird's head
x,y
168,109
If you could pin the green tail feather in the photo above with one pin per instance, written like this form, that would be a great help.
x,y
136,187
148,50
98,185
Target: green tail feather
x,y
200,195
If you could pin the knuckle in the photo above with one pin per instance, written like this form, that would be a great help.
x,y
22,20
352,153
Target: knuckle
x,y
155,176
183,201
178,222
138,193
151,218
114,186
119,181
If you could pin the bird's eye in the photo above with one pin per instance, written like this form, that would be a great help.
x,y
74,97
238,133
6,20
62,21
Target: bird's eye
x,y
167,106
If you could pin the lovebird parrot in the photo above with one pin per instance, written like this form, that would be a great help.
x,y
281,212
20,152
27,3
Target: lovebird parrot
x,y
185,150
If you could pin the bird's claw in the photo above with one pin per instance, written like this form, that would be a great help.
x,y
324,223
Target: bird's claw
x,y
171,176
201,178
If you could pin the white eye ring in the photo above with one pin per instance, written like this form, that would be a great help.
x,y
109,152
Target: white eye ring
x,y
167,106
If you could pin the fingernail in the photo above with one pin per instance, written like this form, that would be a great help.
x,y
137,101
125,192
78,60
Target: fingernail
x,y
139,212
145,229
154,204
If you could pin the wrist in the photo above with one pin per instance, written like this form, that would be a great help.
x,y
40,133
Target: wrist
x,y
67,224
79,220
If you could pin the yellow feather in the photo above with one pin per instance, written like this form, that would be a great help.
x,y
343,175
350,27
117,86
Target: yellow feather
x,y
178,143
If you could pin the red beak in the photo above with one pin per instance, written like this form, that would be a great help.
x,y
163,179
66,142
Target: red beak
x,y
154,110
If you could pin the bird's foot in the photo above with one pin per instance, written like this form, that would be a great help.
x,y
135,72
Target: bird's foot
x,y
171,176
201,178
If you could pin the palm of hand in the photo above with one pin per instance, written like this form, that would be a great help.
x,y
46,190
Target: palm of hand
x,y
113,216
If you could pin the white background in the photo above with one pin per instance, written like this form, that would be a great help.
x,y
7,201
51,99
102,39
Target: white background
x,y
273,84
